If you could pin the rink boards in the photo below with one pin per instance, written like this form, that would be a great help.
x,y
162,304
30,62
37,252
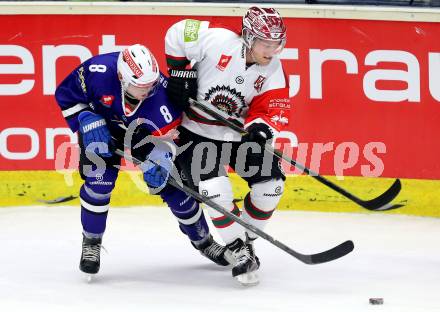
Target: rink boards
x,y
348,117
301,192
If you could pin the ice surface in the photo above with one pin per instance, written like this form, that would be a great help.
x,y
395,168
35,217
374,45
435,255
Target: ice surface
x,y
150,265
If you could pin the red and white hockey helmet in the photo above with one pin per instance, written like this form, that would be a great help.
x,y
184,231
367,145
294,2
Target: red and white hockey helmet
x,y
137,66
265,24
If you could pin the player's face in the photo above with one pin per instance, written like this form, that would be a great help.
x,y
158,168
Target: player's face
x,y
141,93
264,50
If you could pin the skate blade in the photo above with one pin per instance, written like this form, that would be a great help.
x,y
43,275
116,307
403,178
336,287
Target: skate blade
x,y
248,279
89,278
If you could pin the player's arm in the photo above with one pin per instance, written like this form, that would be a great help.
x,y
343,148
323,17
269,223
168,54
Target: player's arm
x,y
184,42
73,96
163,120
269,111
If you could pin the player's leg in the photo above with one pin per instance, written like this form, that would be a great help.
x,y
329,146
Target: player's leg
x,y
215,184
99,180
192,222
202,165
219,190
190,216
266,188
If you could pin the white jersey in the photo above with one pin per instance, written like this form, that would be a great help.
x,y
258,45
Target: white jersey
x,y
248,95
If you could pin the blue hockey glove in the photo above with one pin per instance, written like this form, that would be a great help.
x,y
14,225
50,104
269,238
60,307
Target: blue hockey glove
x,y
157,168
94,131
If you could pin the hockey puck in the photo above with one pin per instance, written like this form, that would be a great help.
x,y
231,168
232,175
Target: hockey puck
x,y
376,301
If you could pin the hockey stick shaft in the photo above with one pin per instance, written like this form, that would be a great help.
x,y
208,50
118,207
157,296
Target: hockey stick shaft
x,y
326,256
381,202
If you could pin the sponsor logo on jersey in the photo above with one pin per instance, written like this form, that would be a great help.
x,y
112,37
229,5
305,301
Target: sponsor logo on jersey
x,y
279,119
107,100
82,79
226,99
191,31
239,80
258,84
223,62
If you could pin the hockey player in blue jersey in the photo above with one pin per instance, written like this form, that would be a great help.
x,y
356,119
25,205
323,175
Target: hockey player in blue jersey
x,y
104,99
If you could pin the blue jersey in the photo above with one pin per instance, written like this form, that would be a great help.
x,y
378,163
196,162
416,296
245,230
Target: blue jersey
x,y
95,86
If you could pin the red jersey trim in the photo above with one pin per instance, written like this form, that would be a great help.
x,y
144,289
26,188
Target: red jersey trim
x,y
167,128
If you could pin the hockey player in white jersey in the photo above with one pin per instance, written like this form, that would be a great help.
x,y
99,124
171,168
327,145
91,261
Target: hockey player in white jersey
x,y
241,75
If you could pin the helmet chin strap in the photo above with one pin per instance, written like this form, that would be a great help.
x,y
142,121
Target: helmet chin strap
x,y
130,99
127,96
251,54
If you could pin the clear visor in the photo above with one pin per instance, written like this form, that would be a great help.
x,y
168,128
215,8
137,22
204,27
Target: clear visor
x,y
142,92
265,46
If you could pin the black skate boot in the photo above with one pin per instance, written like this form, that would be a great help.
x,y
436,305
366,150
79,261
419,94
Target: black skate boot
x,y
245,269
214,251
90,256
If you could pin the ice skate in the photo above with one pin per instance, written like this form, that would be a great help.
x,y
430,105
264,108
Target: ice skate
x,y
214,251
246,266
90,256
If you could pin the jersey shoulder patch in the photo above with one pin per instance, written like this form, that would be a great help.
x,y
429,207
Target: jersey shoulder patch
x,y
191,30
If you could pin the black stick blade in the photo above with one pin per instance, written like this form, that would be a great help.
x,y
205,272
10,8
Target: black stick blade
x,y
382,202
332,254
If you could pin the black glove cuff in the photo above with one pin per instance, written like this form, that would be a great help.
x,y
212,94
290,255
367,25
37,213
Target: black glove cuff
x,y
258,132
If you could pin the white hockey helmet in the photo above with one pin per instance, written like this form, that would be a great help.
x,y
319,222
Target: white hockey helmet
x,y
137,66
265,24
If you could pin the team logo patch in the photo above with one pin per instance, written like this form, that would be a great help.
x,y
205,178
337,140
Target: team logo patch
x,y
258,84
107,100
226,99
223,62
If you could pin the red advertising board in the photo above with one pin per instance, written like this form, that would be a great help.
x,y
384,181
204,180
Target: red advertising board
x,y
365,94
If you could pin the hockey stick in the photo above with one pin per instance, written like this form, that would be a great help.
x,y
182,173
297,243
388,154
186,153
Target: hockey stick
x,y
380,203
326,256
